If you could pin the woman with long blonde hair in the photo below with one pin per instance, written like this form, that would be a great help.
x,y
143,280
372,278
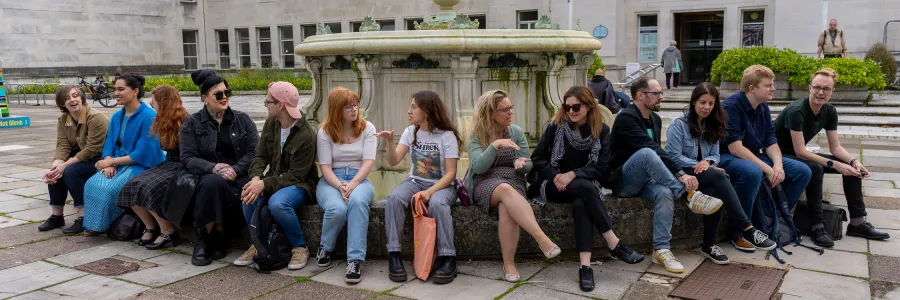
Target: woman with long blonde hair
x,y
346,149
570,160
144,193
498,162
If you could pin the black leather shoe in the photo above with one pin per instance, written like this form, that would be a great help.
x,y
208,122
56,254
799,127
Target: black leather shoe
x,y
169,240
866,231
586,278
446,270
821,238
626,254
53,222
395,267
76,227
201,249
218,244
153,234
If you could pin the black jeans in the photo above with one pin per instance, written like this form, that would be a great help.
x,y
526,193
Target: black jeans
x,y
852,189
72,182
588,210
673,76
715,183
218,201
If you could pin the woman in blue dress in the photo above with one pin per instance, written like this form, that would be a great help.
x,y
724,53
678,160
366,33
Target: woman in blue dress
x,y
129,149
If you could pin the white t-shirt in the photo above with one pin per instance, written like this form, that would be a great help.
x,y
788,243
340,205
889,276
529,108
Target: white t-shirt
x,y
429,152
285,132
347,155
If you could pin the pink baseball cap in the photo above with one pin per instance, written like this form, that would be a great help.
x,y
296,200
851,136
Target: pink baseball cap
x,y
287,94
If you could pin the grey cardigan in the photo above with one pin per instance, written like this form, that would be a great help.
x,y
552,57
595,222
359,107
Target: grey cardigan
x,y
669,56
481,158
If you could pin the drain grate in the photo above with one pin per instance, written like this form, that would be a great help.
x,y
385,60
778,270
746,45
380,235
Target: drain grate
x,y
734,281
109,267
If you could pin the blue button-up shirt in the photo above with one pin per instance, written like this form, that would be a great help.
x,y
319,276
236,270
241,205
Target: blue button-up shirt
x,y
753,127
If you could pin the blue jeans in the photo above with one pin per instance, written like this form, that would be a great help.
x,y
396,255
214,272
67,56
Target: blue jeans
x,y
355,213
746,177
283,205
646,175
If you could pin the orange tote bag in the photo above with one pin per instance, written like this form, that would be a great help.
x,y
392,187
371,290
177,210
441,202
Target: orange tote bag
x,y
425,232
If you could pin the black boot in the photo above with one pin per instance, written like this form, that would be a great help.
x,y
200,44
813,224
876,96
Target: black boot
x,y
201,256
395,268
586,278
446,270
821,238
218,244
52,222
76,227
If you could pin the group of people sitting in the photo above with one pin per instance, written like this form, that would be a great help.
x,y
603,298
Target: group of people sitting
x,y
131,161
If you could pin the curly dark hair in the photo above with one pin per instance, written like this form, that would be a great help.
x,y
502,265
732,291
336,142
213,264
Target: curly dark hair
x,y
713,126
437,113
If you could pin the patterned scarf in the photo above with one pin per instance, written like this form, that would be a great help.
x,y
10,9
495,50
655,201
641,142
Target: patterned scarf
x,y
564,133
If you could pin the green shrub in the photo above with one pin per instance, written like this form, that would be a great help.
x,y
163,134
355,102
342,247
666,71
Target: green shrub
x,y
598,64
242,80
855,72
879,53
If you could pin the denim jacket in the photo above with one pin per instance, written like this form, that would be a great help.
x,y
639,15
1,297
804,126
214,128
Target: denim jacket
x,y
682,147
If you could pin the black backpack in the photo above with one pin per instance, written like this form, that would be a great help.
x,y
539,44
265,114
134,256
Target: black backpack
x,y
126,227
272,246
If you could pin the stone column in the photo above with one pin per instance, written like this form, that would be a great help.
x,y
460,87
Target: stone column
x,y
366,70
585,60
314,66
553,64
464,93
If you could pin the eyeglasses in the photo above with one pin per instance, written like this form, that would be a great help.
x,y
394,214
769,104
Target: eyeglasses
x,y
267,102
507,109
222,95
574,107
660,93
822,89
350,107
413,106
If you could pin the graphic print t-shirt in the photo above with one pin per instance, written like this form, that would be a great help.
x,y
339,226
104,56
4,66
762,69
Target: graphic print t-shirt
x,y
429,152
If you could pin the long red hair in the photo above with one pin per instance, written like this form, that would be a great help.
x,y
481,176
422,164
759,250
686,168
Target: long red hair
x,y
170,117
334,118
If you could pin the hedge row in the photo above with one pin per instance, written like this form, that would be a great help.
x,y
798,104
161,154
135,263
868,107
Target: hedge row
x,y
244,80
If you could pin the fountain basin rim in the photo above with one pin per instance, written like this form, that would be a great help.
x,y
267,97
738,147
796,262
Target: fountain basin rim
x,y
448,41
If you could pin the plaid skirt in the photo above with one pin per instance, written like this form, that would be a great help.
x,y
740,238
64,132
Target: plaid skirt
x,y
149,188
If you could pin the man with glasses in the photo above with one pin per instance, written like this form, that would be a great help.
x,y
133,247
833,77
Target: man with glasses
x,y
751,151
795,126
640,167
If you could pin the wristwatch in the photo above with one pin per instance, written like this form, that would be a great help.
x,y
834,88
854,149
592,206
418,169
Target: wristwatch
x,y
680,173
830,163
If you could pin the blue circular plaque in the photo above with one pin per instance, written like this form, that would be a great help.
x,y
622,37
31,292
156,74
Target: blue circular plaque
x,y
600,32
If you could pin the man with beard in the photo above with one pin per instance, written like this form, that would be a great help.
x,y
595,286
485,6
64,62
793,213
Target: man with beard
x,y
795,126
640,167
831,42
750,149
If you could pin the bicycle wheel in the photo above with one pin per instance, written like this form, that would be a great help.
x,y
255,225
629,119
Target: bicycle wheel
x,y
106,101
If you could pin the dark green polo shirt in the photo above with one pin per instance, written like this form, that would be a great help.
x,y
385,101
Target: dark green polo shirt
x,y
798,116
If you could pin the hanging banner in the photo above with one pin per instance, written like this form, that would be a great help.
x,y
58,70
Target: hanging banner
x,y
648,44
7,120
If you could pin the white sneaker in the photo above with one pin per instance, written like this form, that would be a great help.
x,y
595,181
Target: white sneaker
x,y
665,258
704,204
246,259
299,257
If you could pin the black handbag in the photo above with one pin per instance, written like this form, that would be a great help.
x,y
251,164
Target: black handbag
x,y
126,227
179,197
834,219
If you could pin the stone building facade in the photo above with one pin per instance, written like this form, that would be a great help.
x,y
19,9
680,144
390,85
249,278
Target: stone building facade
x,y
59,38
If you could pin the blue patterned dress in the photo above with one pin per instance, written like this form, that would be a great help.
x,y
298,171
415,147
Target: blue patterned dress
x,y
129,136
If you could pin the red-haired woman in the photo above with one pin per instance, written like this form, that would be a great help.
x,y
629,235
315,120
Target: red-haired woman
x,y
145,192
346,148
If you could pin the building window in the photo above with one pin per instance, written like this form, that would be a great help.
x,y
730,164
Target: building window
x,y
386,25
527,19
264,44
311,29
243,39
753,24
189,44
647,38
410,25
482,21
224,50
286,35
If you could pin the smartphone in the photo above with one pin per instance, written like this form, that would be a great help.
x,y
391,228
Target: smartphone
x,y
863,173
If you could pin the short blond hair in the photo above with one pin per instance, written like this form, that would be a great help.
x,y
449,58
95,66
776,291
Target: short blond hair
x,y
673,43
827,72
753,75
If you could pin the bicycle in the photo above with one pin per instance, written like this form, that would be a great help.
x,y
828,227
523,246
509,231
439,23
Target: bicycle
x,y
98,93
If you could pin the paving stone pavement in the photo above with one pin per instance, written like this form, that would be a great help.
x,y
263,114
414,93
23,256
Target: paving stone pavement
x,y
41,265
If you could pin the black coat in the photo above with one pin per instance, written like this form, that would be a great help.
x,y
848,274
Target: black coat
x,y
198,142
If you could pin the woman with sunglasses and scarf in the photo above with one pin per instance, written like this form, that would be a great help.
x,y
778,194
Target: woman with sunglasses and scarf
x,y
217,145
570,163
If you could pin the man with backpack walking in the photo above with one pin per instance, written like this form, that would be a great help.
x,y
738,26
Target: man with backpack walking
x,y
831,42
288,148
604,91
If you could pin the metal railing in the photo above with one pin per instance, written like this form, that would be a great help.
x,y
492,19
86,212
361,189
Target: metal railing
x,y
31,92
625,82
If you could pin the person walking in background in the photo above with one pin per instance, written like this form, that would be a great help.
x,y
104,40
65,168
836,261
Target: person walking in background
x,y
672,64
831,42
604,91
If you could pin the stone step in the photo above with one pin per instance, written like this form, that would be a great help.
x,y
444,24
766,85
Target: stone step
x,y
851,120
777,108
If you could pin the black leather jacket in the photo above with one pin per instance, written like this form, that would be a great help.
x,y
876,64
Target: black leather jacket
x,y
198,142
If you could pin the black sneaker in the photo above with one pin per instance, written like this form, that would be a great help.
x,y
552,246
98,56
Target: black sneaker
x,y
354,271
821,238
715,254
52,222
323,258
759,239
76,227
866,231
586,278
626,254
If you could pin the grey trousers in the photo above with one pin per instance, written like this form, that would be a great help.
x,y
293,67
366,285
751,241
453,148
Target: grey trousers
x,y
395,212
